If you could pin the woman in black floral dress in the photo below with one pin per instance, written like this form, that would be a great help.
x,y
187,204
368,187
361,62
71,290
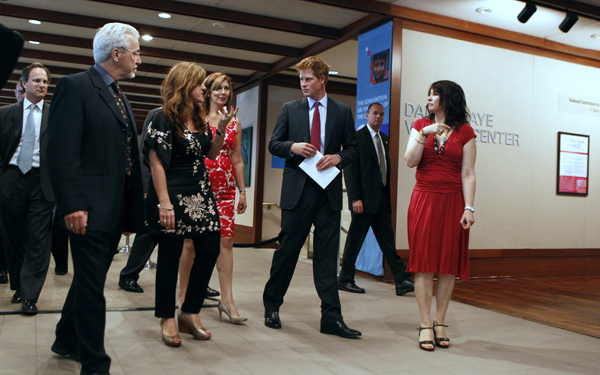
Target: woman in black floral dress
x,y
180,203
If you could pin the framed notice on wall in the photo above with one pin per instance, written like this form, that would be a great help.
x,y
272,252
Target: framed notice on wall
x,y
573,164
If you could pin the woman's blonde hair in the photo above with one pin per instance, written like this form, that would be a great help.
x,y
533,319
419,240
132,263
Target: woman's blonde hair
x,y
176,91
212,82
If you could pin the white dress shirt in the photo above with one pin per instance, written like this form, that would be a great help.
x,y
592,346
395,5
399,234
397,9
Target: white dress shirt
x,y
373,133
37,116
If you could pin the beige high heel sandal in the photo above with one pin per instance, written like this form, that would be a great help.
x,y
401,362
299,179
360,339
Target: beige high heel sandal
x,y
174,341
232,319
186,325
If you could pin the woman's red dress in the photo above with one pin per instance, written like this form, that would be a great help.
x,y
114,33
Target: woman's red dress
x,y
222,179
436,240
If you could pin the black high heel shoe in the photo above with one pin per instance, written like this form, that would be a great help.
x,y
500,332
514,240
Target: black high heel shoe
x,y
440,340
422,343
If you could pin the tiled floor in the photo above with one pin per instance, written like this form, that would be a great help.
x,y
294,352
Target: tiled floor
x,y
483,342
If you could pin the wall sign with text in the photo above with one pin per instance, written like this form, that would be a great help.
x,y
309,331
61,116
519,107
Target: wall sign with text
x,y
573,164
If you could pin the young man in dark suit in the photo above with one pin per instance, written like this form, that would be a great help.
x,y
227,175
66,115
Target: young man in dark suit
x,y
305,126
367,183
26,197
94,165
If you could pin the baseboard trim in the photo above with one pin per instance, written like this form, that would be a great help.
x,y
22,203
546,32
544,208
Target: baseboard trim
x,y
491,263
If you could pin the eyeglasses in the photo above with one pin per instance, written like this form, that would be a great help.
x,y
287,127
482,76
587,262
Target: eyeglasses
x,y
134,53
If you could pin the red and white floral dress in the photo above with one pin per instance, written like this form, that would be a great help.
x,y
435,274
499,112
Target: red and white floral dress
x,y
222,179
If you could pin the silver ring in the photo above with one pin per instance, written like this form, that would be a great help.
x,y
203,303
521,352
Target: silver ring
x,y
165,220
71,225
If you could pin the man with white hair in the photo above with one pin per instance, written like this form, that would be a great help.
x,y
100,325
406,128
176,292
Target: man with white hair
x,y
95,171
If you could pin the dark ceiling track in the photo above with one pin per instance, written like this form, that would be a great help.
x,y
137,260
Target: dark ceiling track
x,y
157,32
228,15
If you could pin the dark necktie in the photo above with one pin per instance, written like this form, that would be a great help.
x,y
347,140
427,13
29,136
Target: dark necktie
x,y
25,158
315,131
119,99
381,160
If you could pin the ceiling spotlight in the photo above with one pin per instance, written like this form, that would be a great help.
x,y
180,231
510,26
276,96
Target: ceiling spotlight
x,y
147,37
595,36
527,12
164,15
35,22
568,22
219,25
483,10
34,42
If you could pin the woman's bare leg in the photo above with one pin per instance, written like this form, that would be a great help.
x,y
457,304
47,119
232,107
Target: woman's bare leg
x,y
225,268
423,293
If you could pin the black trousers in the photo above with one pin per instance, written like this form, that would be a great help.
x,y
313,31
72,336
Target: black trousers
x,y
3,264
381,222
83,320
312,208
142,248
25,220
207,250
60,245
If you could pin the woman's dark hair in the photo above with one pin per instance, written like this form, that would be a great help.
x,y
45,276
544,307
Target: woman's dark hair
x,y
452,98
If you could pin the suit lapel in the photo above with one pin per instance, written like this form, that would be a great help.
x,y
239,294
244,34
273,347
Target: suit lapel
x,y
329,120
370,146
17,123
15,131
44,125
303,120
106,95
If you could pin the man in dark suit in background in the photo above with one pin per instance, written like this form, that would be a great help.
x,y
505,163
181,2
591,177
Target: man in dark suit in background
x,y
94,165
26,197
305,126
367,183
144,242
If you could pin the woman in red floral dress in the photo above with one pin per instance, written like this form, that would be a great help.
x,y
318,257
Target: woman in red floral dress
x,y
224,172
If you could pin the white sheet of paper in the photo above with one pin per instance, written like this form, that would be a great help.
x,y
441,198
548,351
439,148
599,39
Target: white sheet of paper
x,y
323,178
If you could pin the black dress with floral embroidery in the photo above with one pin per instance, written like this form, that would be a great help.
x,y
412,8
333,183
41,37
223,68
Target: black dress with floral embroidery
x,y
187,180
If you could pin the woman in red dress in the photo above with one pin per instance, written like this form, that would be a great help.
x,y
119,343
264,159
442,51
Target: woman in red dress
x,y
225,171
442,147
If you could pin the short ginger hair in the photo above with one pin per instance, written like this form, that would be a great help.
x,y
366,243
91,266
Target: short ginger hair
x,y
318,67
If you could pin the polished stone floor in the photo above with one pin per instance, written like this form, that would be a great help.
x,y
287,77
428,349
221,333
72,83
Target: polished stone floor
x,y
483,342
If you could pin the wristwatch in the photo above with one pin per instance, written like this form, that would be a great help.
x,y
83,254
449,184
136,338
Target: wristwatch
x,y
470,208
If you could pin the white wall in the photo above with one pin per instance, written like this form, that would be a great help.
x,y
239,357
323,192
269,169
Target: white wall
x,y
516,202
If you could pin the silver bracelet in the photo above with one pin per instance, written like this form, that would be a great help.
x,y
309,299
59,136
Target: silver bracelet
x,y
243,191
164,208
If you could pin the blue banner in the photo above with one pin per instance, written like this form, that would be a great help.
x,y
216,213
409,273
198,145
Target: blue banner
x,y
373,86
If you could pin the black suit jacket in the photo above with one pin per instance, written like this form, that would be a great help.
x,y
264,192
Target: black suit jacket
x,y
11,128
86,154
363,178
293,126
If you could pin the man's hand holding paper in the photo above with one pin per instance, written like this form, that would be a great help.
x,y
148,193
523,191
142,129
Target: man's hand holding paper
x,y
319,168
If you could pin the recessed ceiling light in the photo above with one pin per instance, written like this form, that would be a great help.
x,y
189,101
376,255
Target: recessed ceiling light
x,y
483,10
334,72
35,22
147,37
595,36
219,25
34,42
164,15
